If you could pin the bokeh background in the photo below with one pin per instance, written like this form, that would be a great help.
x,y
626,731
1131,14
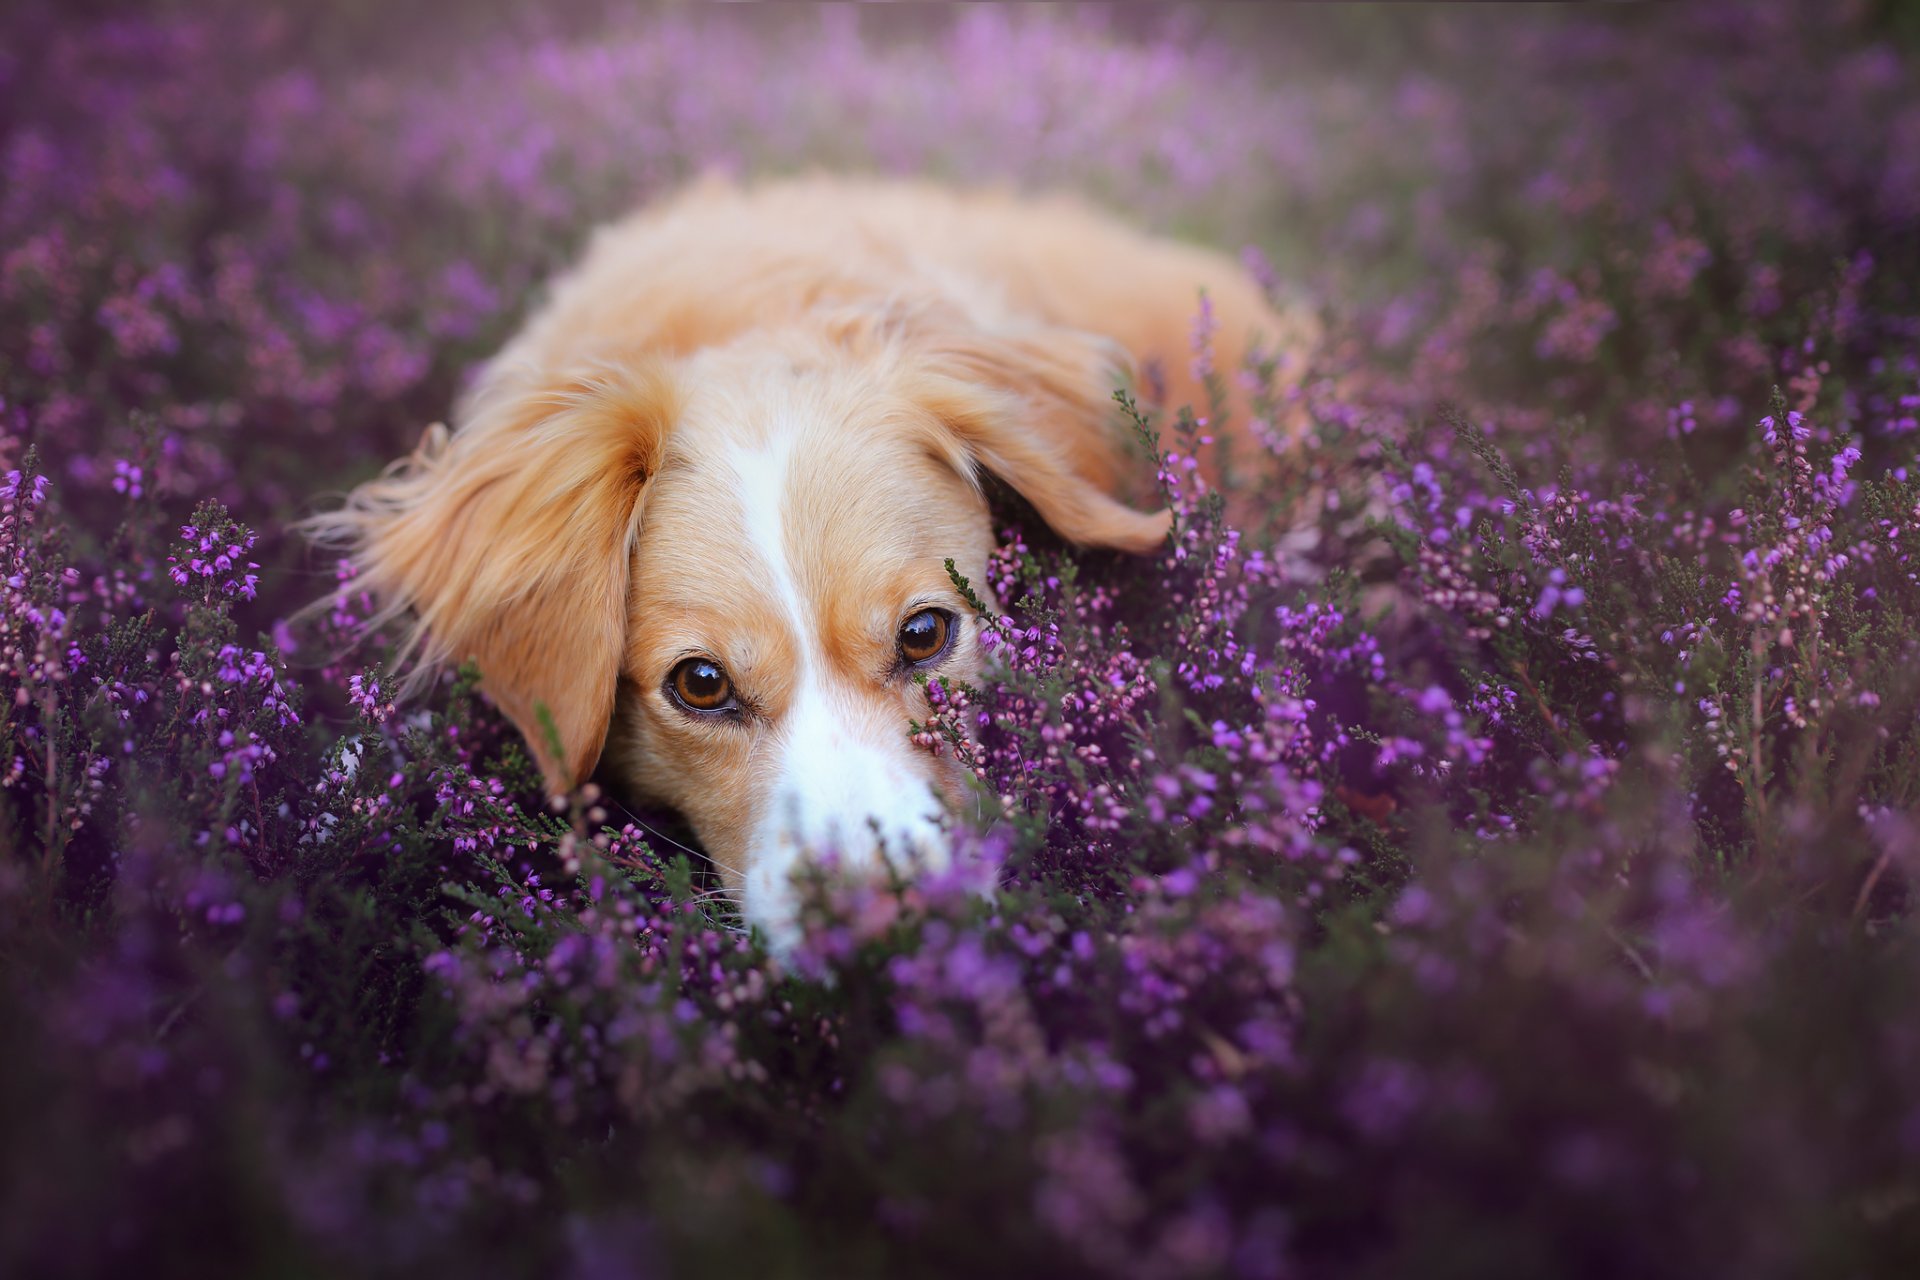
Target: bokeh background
x,y
1491,858
287,235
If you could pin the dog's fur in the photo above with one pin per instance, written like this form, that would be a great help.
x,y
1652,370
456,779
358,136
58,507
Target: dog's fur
x,y
749,427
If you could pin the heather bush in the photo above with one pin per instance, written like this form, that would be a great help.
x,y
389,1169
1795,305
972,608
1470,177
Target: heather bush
x,y
1481,848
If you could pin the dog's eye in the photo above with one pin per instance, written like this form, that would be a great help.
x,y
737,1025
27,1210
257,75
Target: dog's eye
x,y
701,684
924,636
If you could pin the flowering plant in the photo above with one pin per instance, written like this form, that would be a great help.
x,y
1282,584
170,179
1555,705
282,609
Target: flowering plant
x,y
1485,852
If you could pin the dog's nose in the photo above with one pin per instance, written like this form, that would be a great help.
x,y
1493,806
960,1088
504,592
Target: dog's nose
x,y
847,790
897,826
855,813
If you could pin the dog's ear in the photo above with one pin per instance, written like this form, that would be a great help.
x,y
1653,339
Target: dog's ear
x,y
1035,407
510,543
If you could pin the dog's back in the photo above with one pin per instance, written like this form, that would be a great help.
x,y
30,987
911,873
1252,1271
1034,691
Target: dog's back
x,y
718,260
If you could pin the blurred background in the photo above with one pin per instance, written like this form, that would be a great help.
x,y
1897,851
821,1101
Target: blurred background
x,y
295,229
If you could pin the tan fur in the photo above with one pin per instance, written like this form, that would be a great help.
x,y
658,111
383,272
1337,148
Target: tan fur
x,y
580,532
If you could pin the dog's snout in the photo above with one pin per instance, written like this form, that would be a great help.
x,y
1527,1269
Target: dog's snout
x,y
842,800
892,820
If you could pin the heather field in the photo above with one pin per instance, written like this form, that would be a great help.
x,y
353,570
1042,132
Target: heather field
x,y
1487,853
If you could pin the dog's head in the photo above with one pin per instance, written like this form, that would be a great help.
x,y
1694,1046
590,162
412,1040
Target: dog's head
x,y
721,572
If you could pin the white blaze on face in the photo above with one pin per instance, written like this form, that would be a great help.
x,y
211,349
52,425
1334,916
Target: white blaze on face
x,y
843,780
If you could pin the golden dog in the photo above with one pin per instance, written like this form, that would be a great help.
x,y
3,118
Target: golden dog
x,y
698,510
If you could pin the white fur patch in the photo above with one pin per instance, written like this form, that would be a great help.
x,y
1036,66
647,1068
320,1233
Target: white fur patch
x,y
839,786
762,478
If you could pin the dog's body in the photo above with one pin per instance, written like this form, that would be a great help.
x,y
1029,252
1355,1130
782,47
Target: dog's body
x,y
698,511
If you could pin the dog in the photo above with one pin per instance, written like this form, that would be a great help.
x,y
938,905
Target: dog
x,y
693,520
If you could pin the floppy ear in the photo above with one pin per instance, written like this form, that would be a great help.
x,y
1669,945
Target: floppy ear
x,y
510,543
1034,406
